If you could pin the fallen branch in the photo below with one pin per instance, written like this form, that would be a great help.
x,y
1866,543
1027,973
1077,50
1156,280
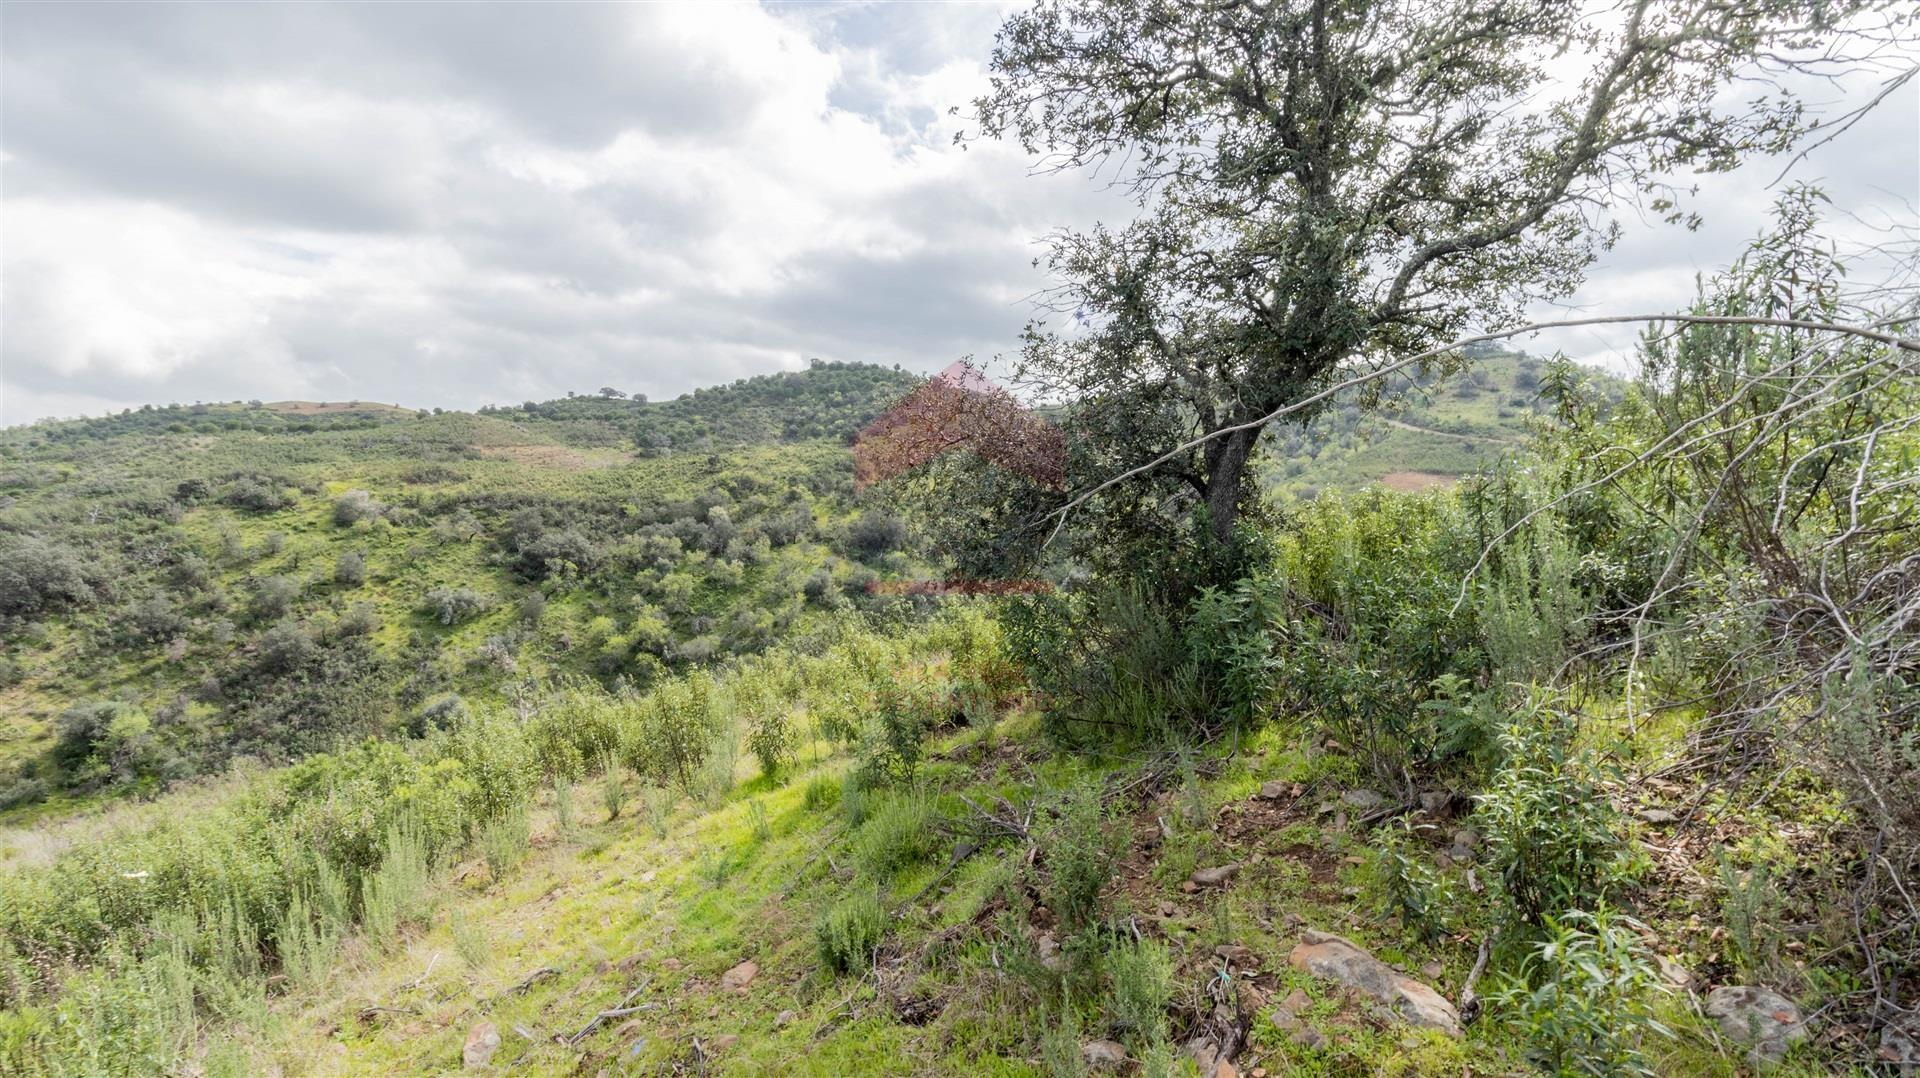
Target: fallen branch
x,y
1469,1001
625,1008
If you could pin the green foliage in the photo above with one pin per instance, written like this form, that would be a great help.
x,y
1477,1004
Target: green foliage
x,y
1585,1000
1140,990
1554,842
451,606
503,842
1423,898
822,793
898,832
1082,850
399,892
893,739
847,933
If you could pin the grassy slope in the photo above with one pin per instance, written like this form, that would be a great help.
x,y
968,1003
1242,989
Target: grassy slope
x,y
624,911
1427,435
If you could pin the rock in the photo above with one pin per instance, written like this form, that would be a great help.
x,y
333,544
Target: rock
x,y
1466,836
1902,1047
1213,877
1656,815
1326,955
1434,802
1273,791
724,1041
1364,800
1104,1055
1206,1055
1764,1020
1309,1037
482,1041
671,965
1432,971
784,1019
1675,973
1050,955
739,977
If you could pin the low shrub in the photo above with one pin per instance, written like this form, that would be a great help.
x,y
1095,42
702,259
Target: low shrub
x,y
848,932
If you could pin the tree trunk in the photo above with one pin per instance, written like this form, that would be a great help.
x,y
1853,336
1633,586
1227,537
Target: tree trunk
x,y
1226,478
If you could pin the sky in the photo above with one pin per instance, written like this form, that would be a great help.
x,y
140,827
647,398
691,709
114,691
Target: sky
x,y
449,205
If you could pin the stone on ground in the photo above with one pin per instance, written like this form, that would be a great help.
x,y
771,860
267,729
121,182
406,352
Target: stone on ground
x,y
482,1041
1343,962
1104,1055
1763,1020
739,977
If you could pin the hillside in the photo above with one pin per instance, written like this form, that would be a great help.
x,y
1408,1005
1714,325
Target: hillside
x,y
180,586
1426,431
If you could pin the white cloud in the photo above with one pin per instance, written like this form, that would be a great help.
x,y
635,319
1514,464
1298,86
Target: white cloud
x,y
452,206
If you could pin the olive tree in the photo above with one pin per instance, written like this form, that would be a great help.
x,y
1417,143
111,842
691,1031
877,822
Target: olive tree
x,y
1325,185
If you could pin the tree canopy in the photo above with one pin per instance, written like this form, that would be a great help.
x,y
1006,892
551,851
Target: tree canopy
x,y
1329,183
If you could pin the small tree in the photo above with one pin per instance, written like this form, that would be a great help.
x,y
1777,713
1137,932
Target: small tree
x,y
611,393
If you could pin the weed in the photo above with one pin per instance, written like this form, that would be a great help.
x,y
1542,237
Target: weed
x,y
469,942
1140,988
1584,999
1081,851
757,819
847,933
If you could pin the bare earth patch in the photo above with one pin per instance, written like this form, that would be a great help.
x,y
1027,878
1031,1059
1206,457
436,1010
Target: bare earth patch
x,y
1406,481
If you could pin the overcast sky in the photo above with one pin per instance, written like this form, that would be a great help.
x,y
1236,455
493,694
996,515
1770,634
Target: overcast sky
x,y
435,204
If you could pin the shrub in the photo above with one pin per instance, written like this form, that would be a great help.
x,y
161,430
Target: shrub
x,y
892,750
259,494
898,833
1553,839
771,738
273,598
38,577
350,569
359,620
1082,851
355,506
675,732
1419,895
503,841
1584,1000
450,606
848,932
874,534
285,649
1140,977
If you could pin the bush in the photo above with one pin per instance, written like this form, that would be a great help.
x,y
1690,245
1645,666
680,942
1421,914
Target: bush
x,y
1082,850
37,577
898,833
1140,977
450,606
848,933
273,598
504,840
1554,841
350,569
355,506
1584,1000
285,649
259,494
874,534
674,733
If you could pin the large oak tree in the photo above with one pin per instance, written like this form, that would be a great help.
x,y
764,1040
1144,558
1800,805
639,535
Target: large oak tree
x,y
1325,184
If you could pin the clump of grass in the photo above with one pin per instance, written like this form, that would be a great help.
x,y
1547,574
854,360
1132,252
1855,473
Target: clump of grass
x,y
757,818
715,865
848,932
821,793
658,804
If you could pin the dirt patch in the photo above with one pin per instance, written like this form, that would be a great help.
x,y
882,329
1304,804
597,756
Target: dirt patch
x,y
1407,481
